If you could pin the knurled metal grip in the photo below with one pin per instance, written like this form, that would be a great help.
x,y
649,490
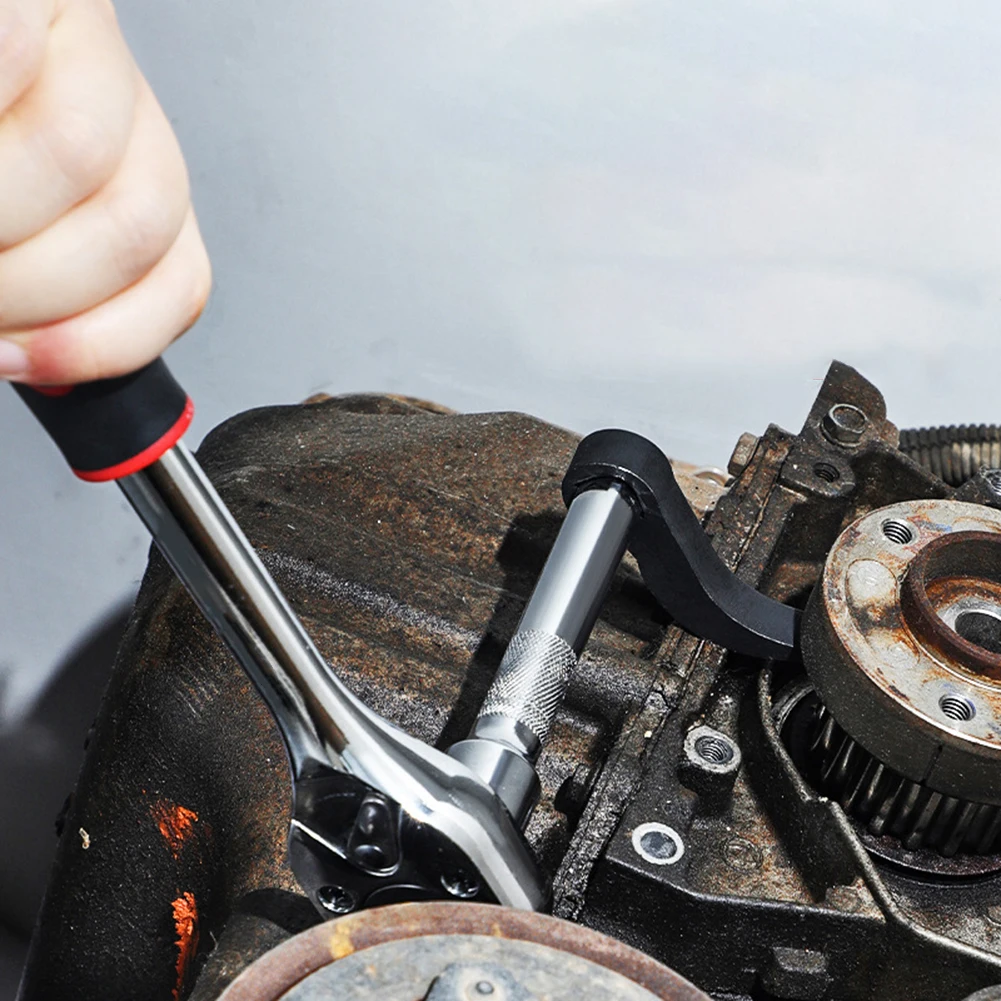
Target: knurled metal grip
x,y
531,681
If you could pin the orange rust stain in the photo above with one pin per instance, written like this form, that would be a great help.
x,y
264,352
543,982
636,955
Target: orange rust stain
x,y
340,941
175,822
186,925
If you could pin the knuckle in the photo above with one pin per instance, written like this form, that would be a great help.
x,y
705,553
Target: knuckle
x,y
83,149
145,226
22,50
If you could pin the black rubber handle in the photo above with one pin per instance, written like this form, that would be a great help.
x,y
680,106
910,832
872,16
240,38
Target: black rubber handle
x,y
113,427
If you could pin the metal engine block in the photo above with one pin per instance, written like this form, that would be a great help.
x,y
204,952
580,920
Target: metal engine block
x,y
718,813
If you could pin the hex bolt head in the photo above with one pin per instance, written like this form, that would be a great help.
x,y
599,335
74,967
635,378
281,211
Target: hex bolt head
x,y
336,899
844,424
742,454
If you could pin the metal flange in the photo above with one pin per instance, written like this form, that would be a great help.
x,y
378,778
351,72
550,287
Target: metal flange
x,y
902,639
468,952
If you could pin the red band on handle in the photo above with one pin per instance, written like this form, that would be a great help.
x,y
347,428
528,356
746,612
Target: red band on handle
x,y
146,457
113,427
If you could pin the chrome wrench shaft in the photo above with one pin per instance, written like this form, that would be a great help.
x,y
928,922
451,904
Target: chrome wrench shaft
x,y
324,726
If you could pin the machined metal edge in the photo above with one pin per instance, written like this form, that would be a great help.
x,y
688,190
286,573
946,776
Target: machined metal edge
x,y
884,686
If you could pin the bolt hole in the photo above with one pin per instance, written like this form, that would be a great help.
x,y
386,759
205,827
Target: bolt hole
x,y
827,472
850,418
658,843
981,628
714,749
957,708
898,531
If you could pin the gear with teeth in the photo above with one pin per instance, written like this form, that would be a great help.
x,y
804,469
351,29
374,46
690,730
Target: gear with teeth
x,y
902,643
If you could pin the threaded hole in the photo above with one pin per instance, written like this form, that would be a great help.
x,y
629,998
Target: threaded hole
x,y
827,472
898,531
715,750
957,708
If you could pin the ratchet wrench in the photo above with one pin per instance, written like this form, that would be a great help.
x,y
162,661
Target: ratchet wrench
x,y
378,816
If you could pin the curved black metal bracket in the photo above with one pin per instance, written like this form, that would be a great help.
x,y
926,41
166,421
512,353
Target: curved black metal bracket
x,y
675,556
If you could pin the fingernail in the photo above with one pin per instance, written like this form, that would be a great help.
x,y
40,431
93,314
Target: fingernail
x,y
13,360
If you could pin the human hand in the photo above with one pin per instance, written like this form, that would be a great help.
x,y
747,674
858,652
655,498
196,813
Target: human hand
x,y
101,261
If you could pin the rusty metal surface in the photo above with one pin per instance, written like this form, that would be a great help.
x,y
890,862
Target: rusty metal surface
x,y
955,574
782,866
293,962
878,652
902,822
933,939
409,541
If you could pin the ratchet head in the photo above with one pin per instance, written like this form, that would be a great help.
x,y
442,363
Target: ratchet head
x,y
427,828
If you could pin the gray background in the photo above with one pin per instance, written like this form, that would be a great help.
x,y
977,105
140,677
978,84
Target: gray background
x,y
662,215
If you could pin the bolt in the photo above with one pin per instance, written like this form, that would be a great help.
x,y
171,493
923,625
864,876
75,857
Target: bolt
x,y
743,452
844,424
460,884
335,899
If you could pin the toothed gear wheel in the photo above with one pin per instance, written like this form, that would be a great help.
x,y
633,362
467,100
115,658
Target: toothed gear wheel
x,y
902,642
889,804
